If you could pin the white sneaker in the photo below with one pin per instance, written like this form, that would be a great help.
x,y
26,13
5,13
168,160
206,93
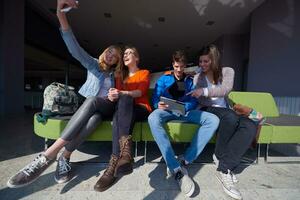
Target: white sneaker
x,y
216,161
228,186
185,183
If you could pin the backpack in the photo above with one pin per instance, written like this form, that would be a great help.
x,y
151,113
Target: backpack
x,y
59,99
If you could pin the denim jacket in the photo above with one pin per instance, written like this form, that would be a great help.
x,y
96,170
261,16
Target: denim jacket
x,y
95,77
162,89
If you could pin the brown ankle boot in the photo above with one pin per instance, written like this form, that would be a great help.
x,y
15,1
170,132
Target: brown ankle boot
x,y
124,165
108,178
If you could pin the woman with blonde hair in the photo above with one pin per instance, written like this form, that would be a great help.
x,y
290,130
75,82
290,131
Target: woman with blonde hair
x,y
235,132
100,78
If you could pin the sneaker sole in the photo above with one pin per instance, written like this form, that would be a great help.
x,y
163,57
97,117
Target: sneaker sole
x,y
191,192
61,181
23,185
227,191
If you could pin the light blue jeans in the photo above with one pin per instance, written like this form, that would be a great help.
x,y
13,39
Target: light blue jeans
x,y
209,124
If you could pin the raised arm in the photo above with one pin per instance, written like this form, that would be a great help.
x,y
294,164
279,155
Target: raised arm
x,y
73,46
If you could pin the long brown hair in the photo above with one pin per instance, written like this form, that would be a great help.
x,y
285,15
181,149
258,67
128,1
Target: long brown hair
x,y
118,66
213,53
124,72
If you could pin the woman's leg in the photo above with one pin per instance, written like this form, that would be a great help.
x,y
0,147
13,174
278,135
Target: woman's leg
x,y
85,131
227,127
34,169
122,121
63,168
240,142
79,120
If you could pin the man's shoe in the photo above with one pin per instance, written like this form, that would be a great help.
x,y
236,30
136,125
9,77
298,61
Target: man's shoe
x,y
108,178
30,172
216,161
186,184
228,186
63,170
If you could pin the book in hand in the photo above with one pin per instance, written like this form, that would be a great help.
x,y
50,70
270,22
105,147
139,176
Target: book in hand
x,y
176,107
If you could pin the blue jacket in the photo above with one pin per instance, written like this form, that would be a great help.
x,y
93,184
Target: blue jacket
x,y
95,77
162,89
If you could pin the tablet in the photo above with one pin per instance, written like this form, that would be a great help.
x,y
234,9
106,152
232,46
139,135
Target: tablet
x,y
174,106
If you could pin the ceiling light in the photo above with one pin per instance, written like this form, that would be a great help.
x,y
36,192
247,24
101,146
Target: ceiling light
x,y
209,23
161,19
107,15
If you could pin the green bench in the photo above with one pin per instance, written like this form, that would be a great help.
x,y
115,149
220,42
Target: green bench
x,y
278,128
55,125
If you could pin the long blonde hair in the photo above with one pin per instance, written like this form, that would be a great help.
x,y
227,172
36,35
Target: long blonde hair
x,y
213,53
118,66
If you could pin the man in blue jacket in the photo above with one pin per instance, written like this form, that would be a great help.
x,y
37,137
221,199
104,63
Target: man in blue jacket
x,y
177,86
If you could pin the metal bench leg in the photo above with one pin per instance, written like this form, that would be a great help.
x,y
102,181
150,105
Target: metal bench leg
x,y
135,153
46,144
145,152
257,153
267,153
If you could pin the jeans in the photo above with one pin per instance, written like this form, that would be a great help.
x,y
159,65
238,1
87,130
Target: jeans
x,y
209,124
234,137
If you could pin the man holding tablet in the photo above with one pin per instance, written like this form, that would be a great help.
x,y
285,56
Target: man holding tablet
x,y
170,95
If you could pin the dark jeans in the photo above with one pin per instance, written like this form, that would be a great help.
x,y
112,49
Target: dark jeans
x,y
234,136
126,114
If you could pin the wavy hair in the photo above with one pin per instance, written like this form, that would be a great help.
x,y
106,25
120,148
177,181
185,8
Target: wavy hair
x,y
118,66
214,54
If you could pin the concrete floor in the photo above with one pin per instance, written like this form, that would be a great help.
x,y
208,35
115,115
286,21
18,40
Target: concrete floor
x,y
18,146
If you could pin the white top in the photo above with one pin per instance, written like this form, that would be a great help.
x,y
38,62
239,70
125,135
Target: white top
x,y
212,101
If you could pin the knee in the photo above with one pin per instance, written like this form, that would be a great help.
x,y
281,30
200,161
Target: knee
x,y
89,101
213,120
230,118
96,118
154,118
125,100
250,126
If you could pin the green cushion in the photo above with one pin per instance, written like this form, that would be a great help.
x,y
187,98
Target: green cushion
x,y
286,129
286,134
261,102
178,131
54,126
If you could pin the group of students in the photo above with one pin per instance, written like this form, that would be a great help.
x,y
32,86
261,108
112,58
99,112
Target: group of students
x,y
116,88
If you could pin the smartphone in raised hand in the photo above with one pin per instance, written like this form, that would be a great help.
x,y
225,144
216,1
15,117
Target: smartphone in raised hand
x,y
67,9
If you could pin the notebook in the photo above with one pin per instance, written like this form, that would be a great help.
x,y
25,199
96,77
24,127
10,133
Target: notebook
x,y
174,106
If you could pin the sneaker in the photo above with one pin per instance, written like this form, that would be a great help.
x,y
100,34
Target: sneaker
x,y
180,159
63,169
185,183
228,186
30,172
216,161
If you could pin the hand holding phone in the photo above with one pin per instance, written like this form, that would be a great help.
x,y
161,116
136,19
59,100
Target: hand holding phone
x,y
67,9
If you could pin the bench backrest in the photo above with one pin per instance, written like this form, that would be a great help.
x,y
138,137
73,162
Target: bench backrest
x,y
261,102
